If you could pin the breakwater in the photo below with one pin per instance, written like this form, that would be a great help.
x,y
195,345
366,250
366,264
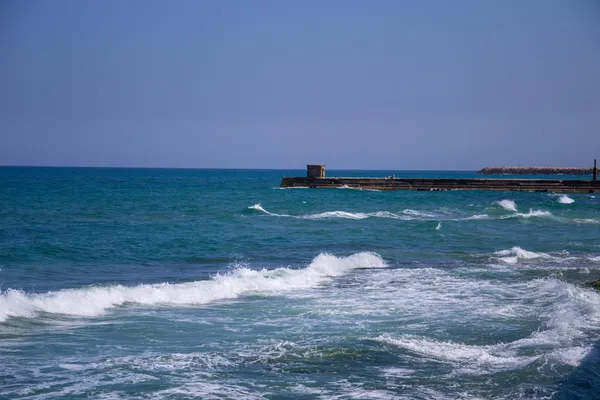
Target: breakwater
x,y
520,185
535,171
315,178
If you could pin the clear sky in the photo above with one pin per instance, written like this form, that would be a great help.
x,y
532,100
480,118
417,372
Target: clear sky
x,y
398,84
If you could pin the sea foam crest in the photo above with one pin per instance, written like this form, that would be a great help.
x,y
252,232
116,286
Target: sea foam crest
x,y
92,301
516,254
519,252
535,213
471,356
507,205
416,213
407,214
564,199
336,214
572,312
260,208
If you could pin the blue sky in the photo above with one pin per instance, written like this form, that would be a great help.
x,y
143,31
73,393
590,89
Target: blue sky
x,y
399,84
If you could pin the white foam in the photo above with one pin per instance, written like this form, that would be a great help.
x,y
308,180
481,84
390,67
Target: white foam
x,y
568,313
535,213
406,215
337,214
471,357
507,205
398,372
417,213
439,226
516,254
477,217
571,356
93,301
565,200
586,221
260,208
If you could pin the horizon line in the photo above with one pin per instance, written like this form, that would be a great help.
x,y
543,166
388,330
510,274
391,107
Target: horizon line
x,y
224,168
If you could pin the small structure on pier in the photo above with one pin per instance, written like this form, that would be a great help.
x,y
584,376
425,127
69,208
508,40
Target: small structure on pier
x,y
315,171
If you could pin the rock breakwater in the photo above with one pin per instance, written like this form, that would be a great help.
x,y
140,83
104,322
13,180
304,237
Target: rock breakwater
x,y
535,171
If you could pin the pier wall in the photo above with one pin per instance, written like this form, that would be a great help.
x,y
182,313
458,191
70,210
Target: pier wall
x,y
521,185
535,171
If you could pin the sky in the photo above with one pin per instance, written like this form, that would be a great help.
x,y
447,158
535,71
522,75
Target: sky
x,y
397,84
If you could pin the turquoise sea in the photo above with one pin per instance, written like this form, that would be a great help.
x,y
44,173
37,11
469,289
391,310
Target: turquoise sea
x,y
217,284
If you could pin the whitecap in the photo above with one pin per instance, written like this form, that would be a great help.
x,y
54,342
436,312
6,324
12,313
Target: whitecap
x,y
337,214
343,214
507,205
535,213
491,357
586,221
516,254
260,208
96,300
477,217
565,200
416,213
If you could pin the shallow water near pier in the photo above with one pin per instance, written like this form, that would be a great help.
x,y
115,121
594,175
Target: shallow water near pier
x,y
173,284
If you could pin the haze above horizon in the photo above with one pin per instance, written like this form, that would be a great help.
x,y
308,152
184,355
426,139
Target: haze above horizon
x,y
387,85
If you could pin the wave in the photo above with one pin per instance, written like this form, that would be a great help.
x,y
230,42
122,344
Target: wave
x,y
472,357
417,213
507,205
516,254
482,359
564,199
535,213
411,214
510,205
476,217
572,312
258,207
336,214
407,214
93,301
586,221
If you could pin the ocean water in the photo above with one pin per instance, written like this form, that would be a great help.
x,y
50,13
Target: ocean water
x,y
217,284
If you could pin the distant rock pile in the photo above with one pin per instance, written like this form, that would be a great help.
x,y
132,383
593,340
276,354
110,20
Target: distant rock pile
x,y
535,171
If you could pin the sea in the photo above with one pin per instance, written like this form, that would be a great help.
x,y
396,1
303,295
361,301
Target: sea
x,y
218,284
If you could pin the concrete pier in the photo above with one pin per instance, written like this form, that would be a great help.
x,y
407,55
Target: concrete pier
x,y
431,184
535,171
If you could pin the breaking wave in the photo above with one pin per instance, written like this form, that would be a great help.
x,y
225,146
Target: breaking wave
x,y
508,205
93,301
535,213
477,217
572,312
260,208
410,214
472,357
564,199
407,214
516,254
